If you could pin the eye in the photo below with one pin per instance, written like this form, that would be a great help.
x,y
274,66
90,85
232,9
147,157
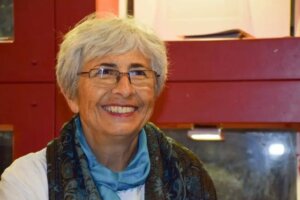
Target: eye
x,y
104,72
138,73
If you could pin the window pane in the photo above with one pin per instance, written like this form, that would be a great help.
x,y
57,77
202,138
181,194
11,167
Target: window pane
x,y
6,20
249,165
6,148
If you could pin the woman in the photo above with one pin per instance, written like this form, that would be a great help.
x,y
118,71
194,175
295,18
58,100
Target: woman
x,y
110,71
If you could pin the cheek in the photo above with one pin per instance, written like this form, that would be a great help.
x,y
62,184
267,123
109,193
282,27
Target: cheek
x,y
148,97
88,95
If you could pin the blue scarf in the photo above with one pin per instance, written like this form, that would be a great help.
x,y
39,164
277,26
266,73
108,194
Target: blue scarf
x,y
109,182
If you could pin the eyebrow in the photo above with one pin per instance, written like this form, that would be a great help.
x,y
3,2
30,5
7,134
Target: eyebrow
x,y
108,65
132,66
137,65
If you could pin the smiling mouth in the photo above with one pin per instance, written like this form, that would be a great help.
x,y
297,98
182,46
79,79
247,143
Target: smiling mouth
x,y
120,109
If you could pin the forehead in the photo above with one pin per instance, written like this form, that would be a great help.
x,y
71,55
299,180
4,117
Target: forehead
x,y
124,60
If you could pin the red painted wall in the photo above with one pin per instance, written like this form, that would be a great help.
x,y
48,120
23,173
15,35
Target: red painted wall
x,y
27,76
241,81
255,81
27,79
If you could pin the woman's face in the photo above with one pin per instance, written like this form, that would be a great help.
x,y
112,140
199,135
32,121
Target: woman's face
x,y
119,109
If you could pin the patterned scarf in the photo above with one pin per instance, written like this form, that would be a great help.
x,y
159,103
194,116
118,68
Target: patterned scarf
x,y
175,173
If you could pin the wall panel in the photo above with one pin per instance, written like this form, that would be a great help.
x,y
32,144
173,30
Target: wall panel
x,y
229,102
30,109
261,59
30,57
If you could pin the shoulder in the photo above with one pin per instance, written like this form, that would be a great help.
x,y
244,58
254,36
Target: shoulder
x,y
26,178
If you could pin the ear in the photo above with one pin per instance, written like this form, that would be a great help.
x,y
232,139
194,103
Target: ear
x,y
73,104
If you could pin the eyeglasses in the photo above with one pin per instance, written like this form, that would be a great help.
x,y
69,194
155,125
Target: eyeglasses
x,y
109,76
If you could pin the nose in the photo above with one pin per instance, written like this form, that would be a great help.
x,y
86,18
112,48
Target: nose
x,y
123,85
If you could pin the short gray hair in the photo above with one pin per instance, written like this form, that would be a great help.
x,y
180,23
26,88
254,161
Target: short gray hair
x,y
96,37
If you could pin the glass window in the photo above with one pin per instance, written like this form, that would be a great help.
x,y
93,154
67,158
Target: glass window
x,y
6,20
249,164
6,147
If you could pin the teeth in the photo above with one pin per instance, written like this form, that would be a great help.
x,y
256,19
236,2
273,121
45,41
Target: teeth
x,y
119,109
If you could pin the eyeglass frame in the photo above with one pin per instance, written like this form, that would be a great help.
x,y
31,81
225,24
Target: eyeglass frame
x,y
119,74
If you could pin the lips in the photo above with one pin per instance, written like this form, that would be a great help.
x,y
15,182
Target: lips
x,y
120,109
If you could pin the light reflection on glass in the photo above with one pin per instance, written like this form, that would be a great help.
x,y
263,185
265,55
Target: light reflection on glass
x,y
276,149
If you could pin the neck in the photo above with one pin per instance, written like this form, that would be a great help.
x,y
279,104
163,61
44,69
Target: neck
x,y
113,153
